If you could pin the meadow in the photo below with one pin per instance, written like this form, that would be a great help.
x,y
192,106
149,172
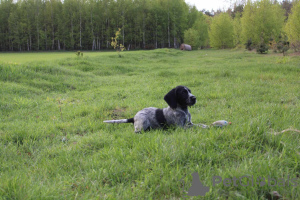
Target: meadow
x,y
54,144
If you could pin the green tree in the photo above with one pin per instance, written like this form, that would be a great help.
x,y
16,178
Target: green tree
x,y
197,36
292,27
247,22
221,31
269,19
15,26
179,15
69,21
162,16
49,24
28,7
237,29
201,26
6,6
192,16
191,37
261,20
38,5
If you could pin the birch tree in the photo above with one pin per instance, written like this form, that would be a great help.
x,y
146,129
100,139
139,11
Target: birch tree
x,y
292,27
221,31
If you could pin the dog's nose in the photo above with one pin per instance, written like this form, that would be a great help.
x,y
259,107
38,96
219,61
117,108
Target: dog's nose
x,y
193,98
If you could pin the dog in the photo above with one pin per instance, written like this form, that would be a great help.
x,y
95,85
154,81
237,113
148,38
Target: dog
x,y
176,114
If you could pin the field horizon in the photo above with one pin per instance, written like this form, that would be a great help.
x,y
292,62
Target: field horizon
x,y
54,144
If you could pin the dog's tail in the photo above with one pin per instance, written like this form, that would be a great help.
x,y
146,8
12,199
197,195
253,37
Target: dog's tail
x,y
118,121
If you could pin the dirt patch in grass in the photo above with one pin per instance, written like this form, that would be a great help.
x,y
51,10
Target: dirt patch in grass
x,y
118,113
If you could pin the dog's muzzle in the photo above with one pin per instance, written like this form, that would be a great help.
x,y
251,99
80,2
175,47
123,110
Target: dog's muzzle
x,y
192,100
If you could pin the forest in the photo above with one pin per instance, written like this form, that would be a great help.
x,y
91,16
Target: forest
x,y
39,25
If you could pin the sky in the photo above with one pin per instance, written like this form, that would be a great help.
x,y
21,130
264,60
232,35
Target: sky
x,y
210,4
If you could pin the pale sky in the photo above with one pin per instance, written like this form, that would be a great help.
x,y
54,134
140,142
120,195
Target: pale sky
x,y
210,4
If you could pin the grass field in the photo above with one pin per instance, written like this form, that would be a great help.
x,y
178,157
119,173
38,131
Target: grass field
x,y
54,145
30,57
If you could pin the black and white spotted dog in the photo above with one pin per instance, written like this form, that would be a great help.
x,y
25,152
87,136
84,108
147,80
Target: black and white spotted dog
x,y
176,114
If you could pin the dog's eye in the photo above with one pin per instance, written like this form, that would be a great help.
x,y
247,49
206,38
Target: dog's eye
x,y
184,92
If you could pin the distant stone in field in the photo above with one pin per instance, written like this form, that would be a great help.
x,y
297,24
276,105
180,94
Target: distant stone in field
x,y
185,47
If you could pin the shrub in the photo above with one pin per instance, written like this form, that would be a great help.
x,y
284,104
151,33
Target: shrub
x,y
283,45
262,47
249,45
114,42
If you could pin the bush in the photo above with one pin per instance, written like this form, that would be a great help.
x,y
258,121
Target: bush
x,y
249,45
283,45
262,48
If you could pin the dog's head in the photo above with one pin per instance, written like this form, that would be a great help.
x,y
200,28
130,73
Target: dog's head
x,y
181,96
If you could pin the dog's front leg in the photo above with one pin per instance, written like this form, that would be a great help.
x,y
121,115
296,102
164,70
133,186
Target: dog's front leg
x,y
189,120
188,123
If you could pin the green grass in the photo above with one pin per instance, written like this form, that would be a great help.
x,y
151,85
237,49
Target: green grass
x,y
28,57
54,145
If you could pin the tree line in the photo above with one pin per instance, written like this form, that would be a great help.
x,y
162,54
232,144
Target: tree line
x,y
252,25
34,25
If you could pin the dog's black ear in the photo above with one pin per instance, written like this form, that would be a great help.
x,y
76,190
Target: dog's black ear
x,y
170,98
